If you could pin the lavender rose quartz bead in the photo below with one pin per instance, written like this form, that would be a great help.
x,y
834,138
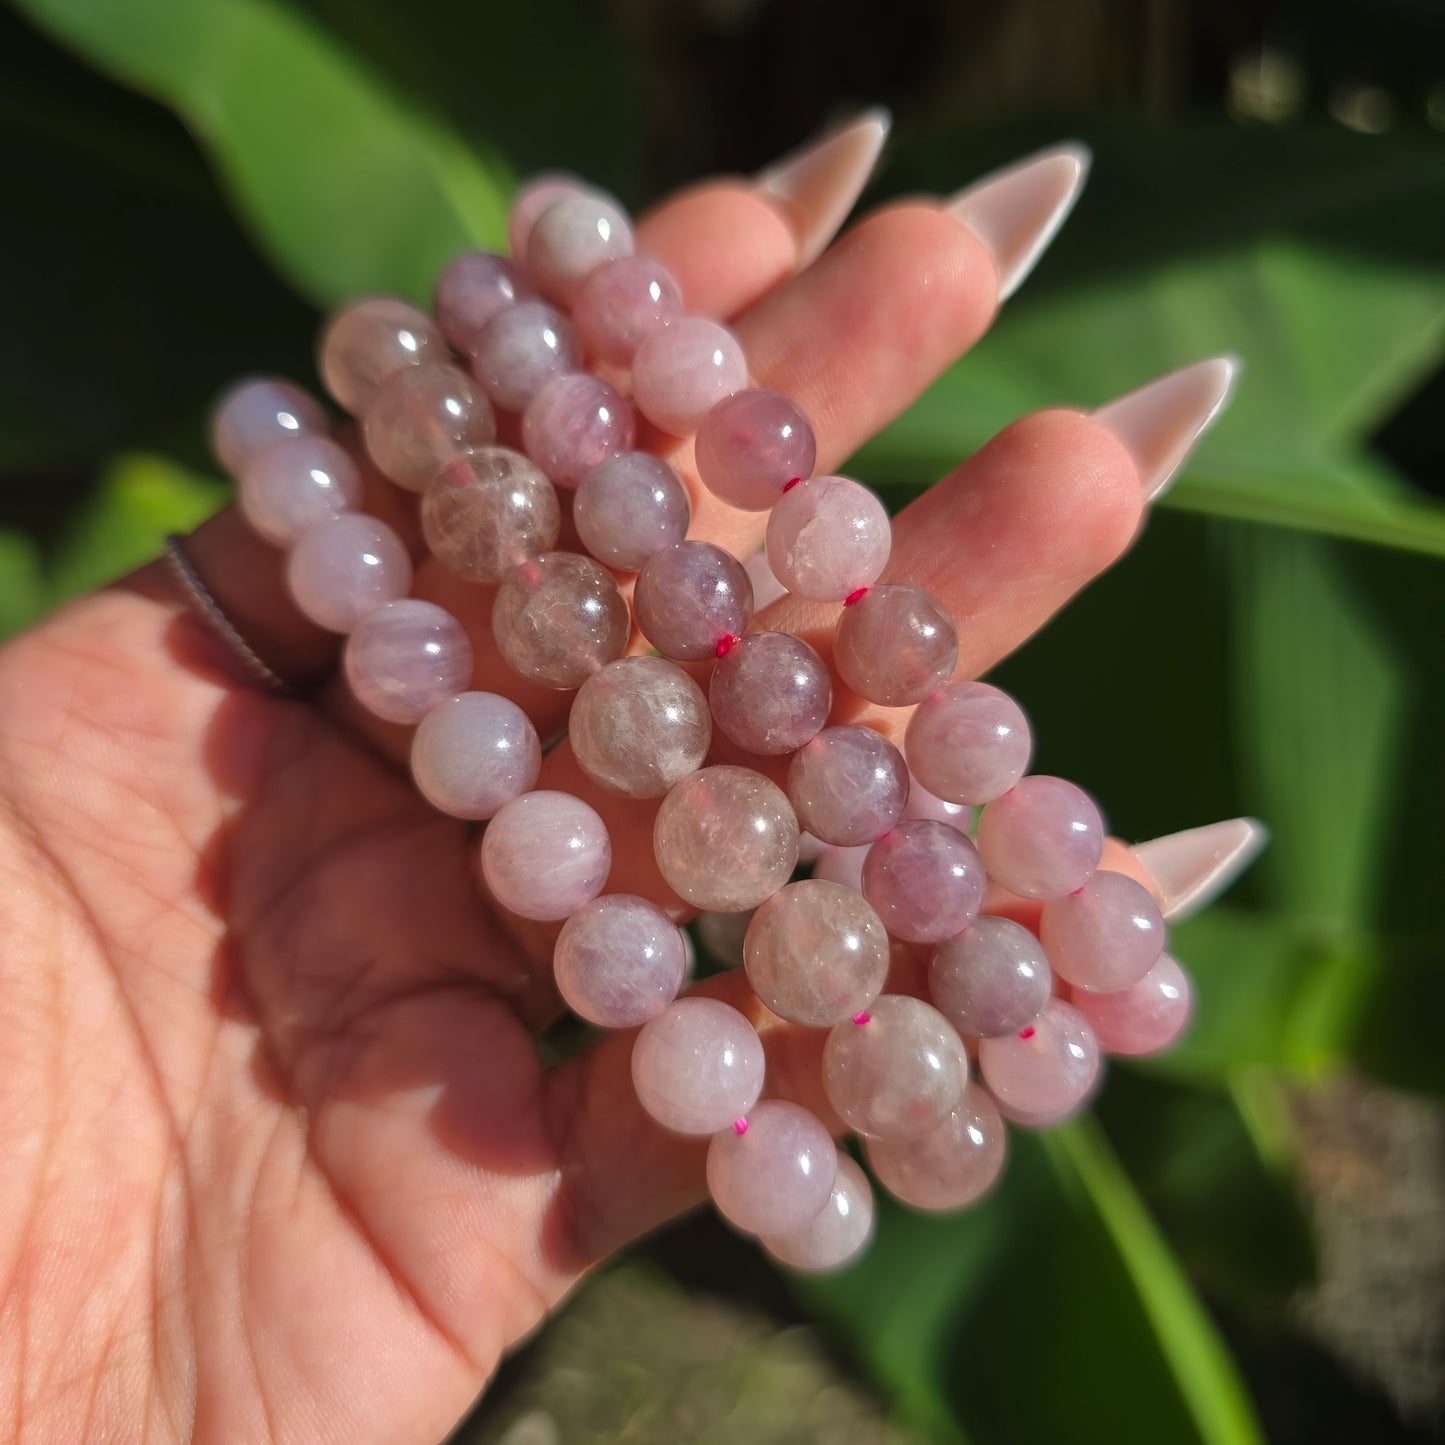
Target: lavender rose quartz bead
x,y
827,537
471,291
681,372
366,342
405,658
473,753
344,567
1143,1018
629,506
993,978
1105,935
256,412
422,418
697,1066
1046,1070
968,743
545,854
1043,838
926,880
895,645
770,692
572,423
294,482
619,961
951,1165
622,303
838,1233
522,348
558,618
571,239
538,195
751,446
689,598
777,1174
848,785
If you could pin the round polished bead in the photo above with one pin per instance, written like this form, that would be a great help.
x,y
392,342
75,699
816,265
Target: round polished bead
x,y
619,961
1044,1071
842,865
295,482
1105,935
558,618
571,239
895,645
1143,1018
622,303
255,413
690,597
344,567
697,1066
776,1175
471,291
848,785
725,838
993,978
369,340
545,854
770,693
538,195
896,1072
473,753
968,743
923,804
926,880
1043,838
639,725
816,953
681,372
629,506
405,658
838,1233
572,423
485,513
949,1166
751,446
827,537
422,418
521,348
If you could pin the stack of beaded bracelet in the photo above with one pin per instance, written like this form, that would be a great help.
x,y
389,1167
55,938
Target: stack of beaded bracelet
x,y
889,832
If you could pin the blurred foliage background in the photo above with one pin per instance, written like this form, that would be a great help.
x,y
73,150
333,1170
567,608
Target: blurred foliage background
x,y
1247,1239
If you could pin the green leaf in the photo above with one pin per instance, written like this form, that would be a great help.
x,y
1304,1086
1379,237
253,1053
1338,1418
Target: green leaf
x,y
22,588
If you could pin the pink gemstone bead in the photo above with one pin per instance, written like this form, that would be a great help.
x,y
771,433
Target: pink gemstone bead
x,y
993,978
725,838
770,693
816,953
838,1234
681,372
751,446
1043,838
365,342
571,239
968,743
545,854
422,418
898,1074
638,726
1104,936
628,507
923,804
539,194
558,618
690,597
520,349
926,880
697,1066
1143,1018
776,1175
344,567
405,658
471,291
896,645
827,537
622,303
1046,1070
848,785
619,961
254,413
572,423
951,1165
489,511
473,753
842,865
295,482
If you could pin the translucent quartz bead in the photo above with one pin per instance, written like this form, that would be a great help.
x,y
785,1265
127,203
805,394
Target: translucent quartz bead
x,y
816,953
295,482
827,537
1046,1069
968,743
842,865
344,567
777,1174
254,413
681,372
1043,838
770,693
545,854
1106,935
421,419
697,1066
951,1165
488,511
725,838
628,507
691,596
848,785
619,961
899,1073
558,618
471,291
622,303
926,880
639,725
572,423
993,978
751,446
405,658
838,1233
538,195
365,342
519,349
923,804
571,239
896,645
1143,1018
473,753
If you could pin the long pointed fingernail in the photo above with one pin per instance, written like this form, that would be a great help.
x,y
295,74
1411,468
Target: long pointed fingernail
x,y
1193,868
1161,422
821,181
1017,211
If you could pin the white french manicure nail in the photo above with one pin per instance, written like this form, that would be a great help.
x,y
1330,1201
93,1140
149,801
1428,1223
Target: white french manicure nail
x,y
1193,868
